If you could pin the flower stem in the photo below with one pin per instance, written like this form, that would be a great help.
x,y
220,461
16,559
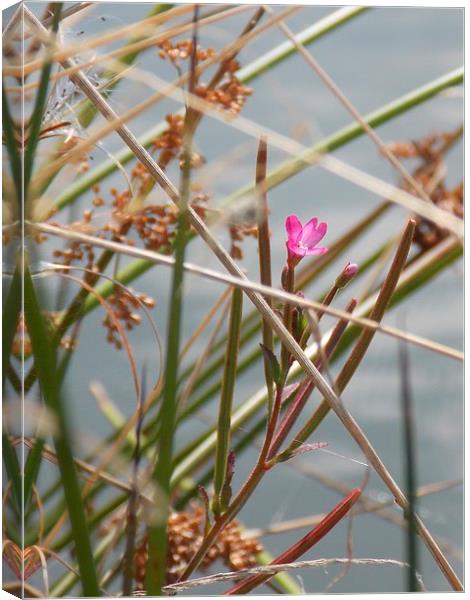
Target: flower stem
x,y
288,282
365,339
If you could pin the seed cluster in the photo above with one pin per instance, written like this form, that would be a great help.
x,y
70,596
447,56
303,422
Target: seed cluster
x,y
76,252
125,305
237,234
182,50
230,95
170,142
430,152
127,216
185,533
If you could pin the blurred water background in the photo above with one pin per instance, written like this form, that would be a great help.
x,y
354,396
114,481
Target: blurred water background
x,y
377,57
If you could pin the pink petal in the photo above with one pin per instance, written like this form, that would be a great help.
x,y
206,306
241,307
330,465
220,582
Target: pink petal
x,y
293,228
317,235
295,249
309,230
315,250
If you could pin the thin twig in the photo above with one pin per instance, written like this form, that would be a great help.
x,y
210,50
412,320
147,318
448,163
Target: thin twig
x,y
273,569
201,360
245,284
147,24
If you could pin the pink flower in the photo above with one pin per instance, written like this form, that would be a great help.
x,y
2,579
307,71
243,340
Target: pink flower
x,y
302,240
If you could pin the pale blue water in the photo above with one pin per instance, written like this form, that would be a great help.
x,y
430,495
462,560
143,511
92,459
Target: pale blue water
x,y
375,58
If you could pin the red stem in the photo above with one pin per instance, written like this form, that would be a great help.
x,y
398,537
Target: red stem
x,y
307,386
303,545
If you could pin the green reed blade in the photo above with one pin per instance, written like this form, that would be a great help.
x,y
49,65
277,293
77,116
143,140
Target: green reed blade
x,y
10,317
13,472
295,165
157,535
226,399
409,455
12,146
45,362
40,104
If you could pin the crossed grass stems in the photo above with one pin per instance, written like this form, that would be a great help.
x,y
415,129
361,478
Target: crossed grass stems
x,y
331,398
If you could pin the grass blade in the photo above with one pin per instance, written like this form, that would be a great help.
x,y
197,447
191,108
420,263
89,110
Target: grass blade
x,y
225,406
40,103
12,146
10,317
399,106
13,472
410,467
157,539
45,361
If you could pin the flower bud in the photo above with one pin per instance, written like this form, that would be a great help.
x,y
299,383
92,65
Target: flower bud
x,y
347,274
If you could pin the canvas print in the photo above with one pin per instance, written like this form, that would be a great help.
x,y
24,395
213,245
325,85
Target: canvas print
x,y
232,299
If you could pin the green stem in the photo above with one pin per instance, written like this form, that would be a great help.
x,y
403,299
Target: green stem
x,y
225,406
305,37
157,537
162,473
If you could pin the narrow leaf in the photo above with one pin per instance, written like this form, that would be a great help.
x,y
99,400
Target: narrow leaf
x,y
158,542
273,364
